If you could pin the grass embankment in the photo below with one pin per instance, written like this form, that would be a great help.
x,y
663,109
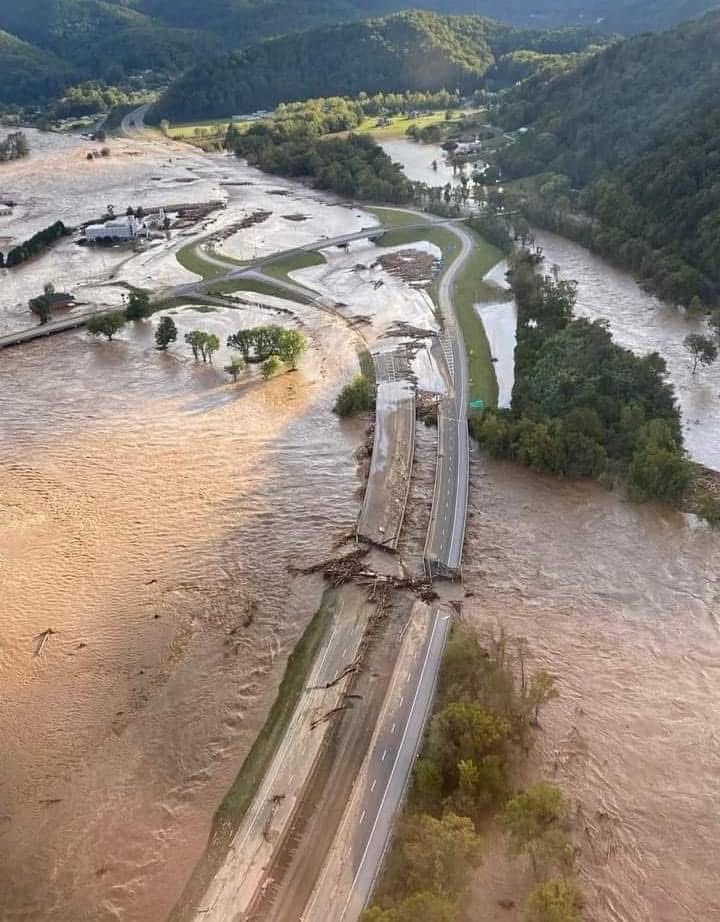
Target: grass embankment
x,y
190,259
231,811
470,289
281,268
256,286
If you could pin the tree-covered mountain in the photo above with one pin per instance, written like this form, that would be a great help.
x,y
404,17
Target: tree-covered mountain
x,y
111,39
28,74
407,51
243,21
637,129
93,39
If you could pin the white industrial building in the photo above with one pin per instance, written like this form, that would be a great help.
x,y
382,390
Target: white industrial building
x,y
125,228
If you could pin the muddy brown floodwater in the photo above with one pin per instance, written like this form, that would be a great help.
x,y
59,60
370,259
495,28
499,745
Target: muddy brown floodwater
x,y
147,508
622,604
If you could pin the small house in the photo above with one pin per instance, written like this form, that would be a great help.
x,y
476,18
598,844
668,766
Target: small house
x,y
59,301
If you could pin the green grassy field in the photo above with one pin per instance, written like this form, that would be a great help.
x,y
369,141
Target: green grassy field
x,y
258,287
281,268
184,131
398,125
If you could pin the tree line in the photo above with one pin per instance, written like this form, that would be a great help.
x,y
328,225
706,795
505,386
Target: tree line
x,y
37,244
354,167
481,730
582,406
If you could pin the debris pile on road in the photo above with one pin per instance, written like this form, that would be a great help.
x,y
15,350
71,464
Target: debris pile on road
x,y
351,567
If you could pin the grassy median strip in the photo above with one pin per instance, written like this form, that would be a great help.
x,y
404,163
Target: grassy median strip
x,y
280,269
470,289
233,808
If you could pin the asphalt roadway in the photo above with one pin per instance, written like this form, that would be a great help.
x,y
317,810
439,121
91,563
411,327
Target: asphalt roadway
x,y
446,534
346,883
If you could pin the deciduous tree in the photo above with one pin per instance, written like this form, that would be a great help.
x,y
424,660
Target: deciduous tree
x,y
166,332
106,324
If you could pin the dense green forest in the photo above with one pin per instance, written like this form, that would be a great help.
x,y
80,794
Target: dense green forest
x,y
408,51
355,166
29,75
250,20
635,132
582,406
52,44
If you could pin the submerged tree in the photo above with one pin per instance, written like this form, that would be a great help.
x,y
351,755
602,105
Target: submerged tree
x,y
44,304
106,324
234,368
166,332
555,901
138,306
703,349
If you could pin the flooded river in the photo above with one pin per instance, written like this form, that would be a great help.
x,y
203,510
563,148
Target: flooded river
x,y
622,604
642,323
149,512
148,509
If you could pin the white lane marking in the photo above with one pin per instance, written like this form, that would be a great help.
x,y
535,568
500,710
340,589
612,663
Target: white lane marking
x,y
372,786
387,787
382,757
392,729
362,817
402,698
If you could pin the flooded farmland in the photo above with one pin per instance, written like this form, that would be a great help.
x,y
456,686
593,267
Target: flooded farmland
x,y
149,512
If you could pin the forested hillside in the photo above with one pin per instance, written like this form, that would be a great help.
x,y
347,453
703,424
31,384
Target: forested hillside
x,y
408,51
92,38
112,39
637,128
251,20
28,74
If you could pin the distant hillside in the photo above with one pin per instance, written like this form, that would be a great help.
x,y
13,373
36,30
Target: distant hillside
x,y
243,21
98,39
637,127
28,74
408,51
112,39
